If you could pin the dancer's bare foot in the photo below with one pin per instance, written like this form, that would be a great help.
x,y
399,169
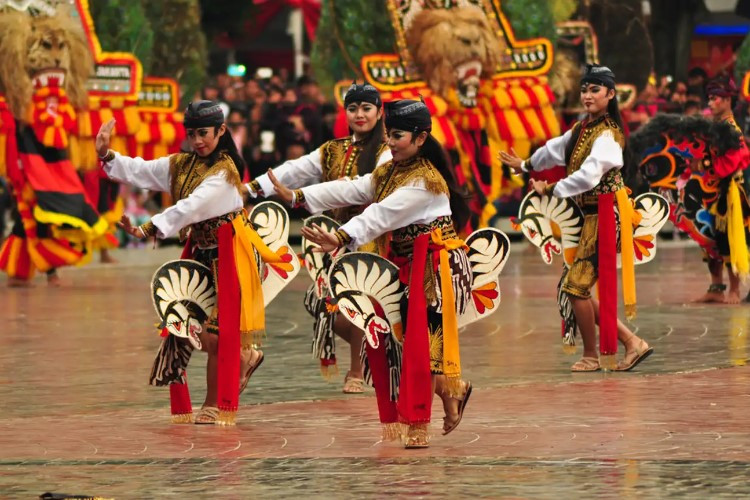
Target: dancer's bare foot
x,y
733,297
19,283
53,280
714,295
106,258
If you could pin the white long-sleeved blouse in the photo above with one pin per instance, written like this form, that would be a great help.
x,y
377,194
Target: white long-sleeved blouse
x,y
214,197
606,154
300,172
409,204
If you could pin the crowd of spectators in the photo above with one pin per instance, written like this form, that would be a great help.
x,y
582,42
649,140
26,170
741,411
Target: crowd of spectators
x,y
665,95
273,119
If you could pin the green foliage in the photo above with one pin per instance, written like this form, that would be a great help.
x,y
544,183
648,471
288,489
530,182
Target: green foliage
x,y
563,10
164,35
742,65
122,26
620,24
179,49
530,18
348,30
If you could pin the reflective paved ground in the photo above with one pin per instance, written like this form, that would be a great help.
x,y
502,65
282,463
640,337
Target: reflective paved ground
x,y
78,417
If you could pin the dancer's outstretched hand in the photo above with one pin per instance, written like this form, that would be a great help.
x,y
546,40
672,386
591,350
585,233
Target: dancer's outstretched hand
x,y
103,137
511,159
538,186
126,226
284,192
326,240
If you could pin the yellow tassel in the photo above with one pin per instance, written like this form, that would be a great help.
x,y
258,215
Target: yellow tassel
x,y
630,311
328,372
252,340
416,432
392,432
569,349
627,253
736,233
227,417
608,361
183,418
454,386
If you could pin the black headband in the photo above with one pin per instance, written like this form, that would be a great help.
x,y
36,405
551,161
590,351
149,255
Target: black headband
x,y
362,93
200,114
600,75
412,116
721,87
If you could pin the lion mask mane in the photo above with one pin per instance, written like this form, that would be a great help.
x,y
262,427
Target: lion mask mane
x,y
454,48
29,46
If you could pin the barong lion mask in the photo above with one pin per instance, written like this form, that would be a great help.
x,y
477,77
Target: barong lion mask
x,y
454,49
37,51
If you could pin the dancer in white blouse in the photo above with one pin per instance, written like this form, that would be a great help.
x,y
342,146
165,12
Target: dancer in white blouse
x,y
355,155
593,153
414,199
206,188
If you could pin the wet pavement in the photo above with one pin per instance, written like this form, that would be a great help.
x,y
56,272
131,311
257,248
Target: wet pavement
x,y
78,417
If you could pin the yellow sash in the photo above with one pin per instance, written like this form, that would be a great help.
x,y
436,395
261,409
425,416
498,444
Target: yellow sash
x,y
451,356
252,316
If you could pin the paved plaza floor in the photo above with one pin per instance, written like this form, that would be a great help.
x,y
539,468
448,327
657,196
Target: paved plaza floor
x,y
78,417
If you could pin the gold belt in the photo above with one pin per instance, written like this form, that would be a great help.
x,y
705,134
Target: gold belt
x,y
203,234
402,243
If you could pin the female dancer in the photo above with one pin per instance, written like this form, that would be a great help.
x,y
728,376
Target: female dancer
x,y
205,185
593,153
349,157
414,199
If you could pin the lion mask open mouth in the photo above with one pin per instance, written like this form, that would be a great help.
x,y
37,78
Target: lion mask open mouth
x,y
468,79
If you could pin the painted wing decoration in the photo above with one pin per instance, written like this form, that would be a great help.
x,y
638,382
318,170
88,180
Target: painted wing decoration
x,y
360,279
318,264
271,221
552,224
184,297
488,252
555,224
654,210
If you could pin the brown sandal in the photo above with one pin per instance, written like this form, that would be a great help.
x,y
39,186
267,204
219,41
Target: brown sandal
x,y
586,364
250,370
207,416
634,357
353,385
418,437
461,406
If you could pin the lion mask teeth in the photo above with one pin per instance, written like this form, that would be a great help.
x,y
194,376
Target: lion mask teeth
x,y
49,77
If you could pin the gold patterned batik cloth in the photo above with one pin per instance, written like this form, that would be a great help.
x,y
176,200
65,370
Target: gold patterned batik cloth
x,y
338,160
583,273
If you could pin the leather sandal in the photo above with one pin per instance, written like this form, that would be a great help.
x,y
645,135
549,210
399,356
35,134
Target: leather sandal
x,y
207,415
461,407
250,370
353,385
586,364
634,357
